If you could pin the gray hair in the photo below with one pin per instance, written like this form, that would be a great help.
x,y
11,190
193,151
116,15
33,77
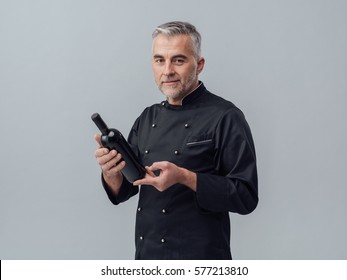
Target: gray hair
x,y
174,28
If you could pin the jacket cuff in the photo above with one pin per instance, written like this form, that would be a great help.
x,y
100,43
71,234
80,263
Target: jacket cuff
x,y
126,191
219,194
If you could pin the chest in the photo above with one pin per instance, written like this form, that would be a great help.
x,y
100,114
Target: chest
x,y
185,137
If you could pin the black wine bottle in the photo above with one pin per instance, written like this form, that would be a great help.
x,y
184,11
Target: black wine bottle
x,y
112,139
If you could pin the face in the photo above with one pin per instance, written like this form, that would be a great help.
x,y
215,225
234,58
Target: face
x,y
175,66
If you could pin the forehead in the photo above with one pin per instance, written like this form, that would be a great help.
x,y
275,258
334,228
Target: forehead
x,y
164,45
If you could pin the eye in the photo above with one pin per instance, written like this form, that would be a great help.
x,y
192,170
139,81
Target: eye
x,y
178,61
159,60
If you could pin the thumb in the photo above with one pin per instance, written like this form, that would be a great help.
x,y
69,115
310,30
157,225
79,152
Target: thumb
x,y
97,138
159,165
150,172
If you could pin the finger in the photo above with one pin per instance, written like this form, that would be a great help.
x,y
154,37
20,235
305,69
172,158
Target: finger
x,y
97,138
113,166
114,160
112,157
160,165
147,180
150,172
100,152
141,182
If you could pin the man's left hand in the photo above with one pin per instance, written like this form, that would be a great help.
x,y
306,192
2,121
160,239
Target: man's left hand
x,y
169,174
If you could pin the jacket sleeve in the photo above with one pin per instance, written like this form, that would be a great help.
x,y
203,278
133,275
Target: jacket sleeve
x,y
234,186
127,189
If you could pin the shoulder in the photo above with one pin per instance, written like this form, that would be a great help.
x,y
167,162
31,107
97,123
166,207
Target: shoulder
x,y
225,112
147,114
151,110
221,105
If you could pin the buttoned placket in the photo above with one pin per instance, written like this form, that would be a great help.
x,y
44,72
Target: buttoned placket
x,y
154,125
185,126
139,209
163,211
177,152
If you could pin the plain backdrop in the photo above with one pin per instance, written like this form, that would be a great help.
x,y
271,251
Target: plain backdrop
x,y
283,63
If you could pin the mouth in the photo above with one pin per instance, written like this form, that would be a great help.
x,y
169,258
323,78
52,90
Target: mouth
x,y
169,83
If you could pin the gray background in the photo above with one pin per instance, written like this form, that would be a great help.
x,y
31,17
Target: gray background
x,y
284,63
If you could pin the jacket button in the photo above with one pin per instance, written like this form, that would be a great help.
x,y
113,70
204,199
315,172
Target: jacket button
x,y
154,125
141,237
186,125
176,152
163,211
139,209
163,240
146,152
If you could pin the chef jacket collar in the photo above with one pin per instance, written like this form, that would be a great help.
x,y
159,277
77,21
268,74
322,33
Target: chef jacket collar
x,y
190,98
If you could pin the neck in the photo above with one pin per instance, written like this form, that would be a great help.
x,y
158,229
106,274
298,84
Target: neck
x,y
179,101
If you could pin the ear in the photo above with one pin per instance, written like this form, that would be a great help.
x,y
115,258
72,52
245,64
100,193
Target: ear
x,y
201,64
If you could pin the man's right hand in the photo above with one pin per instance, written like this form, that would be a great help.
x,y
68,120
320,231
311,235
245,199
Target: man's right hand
x,y
110,165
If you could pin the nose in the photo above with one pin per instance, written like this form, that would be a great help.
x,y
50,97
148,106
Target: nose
x,y
168,69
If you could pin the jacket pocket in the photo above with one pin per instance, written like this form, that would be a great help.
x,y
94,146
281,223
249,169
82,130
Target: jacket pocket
x,y
199,142
200,151
196,140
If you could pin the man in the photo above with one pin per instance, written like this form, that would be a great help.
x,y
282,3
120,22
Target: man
x,y
199,156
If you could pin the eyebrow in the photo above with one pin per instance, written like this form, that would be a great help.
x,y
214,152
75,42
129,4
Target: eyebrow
x,y
175,56
180,56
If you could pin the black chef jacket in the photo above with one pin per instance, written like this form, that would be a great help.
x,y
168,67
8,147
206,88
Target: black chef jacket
x,y
207,135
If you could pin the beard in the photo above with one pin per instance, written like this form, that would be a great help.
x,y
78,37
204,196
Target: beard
x,y
179,88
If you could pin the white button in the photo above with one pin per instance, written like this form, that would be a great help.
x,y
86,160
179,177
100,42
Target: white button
x,y
162,240
163,211
186,125
139,209
141,237
163,103
176,152
146,152
154,125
